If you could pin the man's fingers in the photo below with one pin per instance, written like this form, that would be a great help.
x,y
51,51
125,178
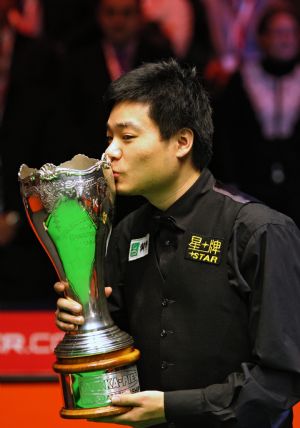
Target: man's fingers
x,y
60,287
126,400
69,305
67,322
68,314
108,291
65,326
69,318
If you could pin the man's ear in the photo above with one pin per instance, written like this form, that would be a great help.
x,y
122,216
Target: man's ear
x,y
185,140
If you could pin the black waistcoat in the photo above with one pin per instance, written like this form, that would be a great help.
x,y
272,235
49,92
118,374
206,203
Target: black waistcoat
x,y
191,328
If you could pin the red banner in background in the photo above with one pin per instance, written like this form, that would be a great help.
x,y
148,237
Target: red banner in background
x,y
27,342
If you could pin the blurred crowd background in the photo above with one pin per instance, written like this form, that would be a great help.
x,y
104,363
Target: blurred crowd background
x,y
57,57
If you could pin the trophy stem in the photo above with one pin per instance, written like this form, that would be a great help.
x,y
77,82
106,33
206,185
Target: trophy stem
x,y
84,344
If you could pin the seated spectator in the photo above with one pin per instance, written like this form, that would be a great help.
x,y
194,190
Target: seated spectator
x,y
257,118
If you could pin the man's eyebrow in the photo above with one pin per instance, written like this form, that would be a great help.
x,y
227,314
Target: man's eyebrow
x,y
123,125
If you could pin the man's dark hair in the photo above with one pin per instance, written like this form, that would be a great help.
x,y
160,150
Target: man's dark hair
x,y
176,100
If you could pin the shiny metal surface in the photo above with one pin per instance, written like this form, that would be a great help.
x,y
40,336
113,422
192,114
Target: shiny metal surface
x,y
70,208
95,389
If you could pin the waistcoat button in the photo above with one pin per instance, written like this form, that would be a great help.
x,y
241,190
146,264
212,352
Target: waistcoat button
x,y
164,365
163,333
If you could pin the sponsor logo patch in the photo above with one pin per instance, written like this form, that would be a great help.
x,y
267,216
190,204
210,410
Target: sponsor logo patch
x,y
204,249
138,248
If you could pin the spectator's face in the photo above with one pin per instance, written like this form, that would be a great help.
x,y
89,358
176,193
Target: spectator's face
x,y
281,40
119,20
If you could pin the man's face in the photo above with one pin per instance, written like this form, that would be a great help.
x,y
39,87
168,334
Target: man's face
x,y
119,20
143,163
281,40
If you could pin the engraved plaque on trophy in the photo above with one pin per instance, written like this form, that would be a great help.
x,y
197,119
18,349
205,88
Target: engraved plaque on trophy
x,y
70,209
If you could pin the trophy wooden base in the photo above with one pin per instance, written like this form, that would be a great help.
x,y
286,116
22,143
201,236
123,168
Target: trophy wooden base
x,y
89,382
93,413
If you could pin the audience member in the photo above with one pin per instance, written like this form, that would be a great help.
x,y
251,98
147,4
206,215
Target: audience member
x,y
258,117
24,73
117,42
232,26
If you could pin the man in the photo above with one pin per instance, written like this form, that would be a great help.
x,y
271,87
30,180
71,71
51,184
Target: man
x,y
213,304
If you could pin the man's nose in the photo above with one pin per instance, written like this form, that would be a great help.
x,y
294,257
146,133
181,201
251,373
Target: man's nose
x,y
113,151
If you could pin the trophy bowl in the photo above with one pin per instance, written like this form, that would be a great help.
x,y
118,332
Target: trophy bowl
x,y
70,209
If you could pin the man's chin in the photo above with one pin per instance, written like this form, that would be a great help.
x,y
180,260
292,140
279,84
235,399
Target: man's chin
x,y
122,192
126,192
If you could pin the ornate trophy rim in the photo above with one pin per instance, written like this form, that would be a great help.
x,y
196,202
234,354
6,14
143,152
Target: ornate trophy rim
x,y
49,171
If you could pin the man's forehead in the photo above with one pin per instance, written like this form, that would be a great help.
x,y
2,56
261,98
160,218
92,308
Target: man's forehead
x,y
124,125
129,114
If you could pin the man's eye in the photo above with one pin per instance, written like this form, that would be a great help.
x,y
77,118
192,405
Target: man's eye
x,y
108,139
128,137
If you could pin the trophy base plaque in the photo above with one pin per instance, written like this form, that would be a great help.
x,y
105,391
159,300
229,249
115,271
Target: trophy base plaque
x,y
88,383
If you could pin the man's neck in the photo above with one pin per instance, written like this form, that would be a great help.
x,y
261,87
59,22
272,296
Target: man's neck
x,y
164,201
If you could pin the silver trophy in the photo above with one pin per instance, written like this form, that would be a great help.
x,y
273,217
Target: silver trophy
x,y
70,209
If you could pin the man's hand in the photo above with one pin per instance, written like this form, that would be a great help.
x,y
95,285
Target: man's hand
x,y
69,312
147,409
